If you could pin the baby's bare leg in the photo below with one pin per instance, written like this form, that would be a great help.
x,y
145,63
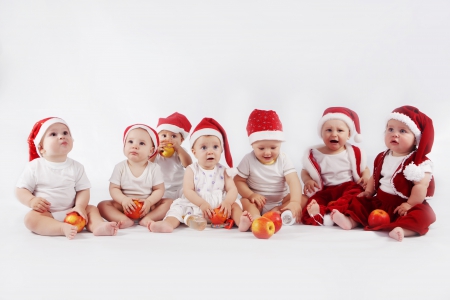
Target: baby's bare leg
x,y
250,208
342,220
399,233
45,224
245,221
113,211
158,212
166,226
97,225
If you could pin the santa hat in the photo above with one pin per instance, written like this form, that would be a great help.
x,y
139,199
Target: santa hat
x,y
37,133
176,122
422,128
346,115
151,132
264,125
209,126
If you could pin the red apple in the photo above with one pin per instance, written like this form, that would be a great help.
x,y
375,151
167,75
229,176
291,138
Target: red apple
x,y
135,214
168,150
275,217
378,217
263,228
73,218
218,217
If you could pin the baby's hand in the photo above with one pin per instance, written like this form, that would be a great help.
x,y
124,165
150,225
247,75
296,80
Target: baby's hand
x,y
402,209
225,208
207,210
39,204
81,211
363,182
128,205
146,208
258,200
366,194
296,210
310,186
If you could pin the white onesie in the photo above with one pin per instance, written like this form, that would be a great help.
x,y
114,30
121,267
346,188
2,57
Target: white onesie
x,y
57,183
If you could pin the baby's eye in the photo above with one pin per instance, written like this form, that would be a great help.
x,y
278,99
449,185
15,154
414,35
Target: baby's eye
x,y
130,141
66,133
261,149
273,148
52,134
164,136
403,131
142,144
174,136
203,148
390,129
216,147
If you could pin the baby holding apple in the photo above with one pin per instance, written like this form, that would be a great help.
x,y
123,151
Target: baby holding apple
x,y
171,157
206,183
266,178
336,170
56,186
136,183
402,179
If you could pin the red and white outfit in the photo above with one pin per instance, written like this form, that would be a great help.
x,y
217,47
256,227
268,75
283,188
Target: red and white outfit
x,y
171,167
394,179
336,174
417,219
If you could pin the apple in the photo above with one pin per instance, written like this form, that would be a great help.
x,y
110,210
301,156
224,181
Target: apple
x,y
378,217
263,228
73,218
135,214
168,150
218,217
275,217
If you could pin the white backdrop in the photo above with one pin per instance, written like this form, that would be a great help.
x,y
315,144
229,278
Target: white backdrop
x,y
103,65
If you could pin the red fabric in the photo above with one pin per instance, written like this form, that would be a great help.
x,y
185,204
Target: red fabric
x,y
340,194
176,119
34,132
400,183
418,218
345,111
263,120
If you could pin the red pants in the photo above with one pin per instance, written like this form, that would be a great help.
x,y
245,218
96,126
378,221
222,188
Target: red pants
x,y
331,197
418,218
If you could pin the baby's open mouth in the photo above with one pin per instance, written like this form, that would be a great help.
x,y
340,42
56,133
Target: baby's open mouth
x,y
210,158
334,141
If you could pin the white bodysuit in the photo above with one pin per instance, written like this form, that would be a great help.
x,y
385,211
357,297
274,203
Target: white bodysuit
x,y
173,173
57,183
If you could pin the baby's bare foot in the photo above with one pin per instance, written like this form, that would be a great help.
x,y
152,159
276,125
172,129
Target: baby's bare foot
x,y
126,223
313,208
245,221
161,227
397,234
69,231
106,228
342,220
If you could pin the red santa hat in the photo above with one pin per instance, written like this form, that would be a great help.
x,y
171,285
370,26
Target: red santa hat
x,y
422,128
176,122
209,126
151,132
264,125
346,115
37,133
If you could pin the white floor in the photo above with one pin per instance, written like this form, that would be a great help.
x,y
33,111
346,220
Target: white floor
x,y
299,262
